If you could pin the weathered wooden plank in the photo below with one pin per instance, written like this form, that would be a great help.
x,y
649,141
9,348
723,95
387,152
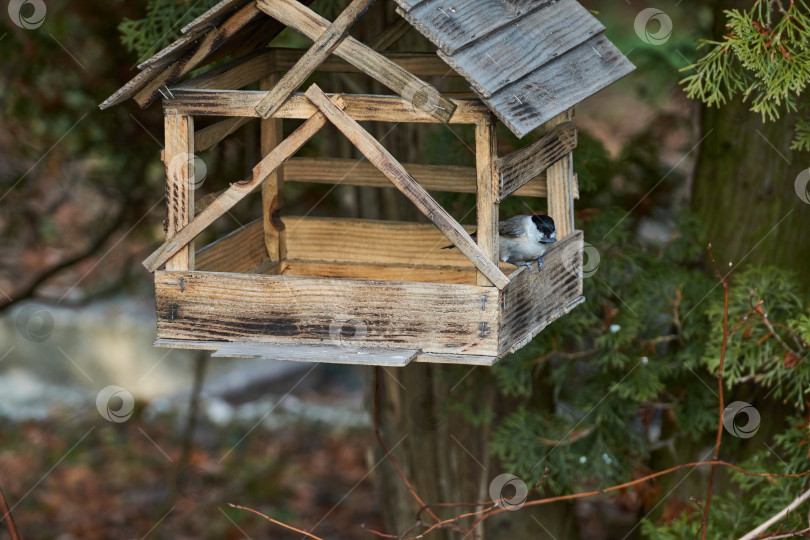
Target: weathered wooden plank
x,y
272,133
454,24
369,241
486,153
130,88
240,251
178,156
535,298
351,172
421,64
521,166
460,359
420,94
408,5
320,50
173,51
210,43
257,65
392,33
210,17
396,173
560,184
207,138
237,191
437,318
381,272
559,85
518,49
325,354
431,358
361,108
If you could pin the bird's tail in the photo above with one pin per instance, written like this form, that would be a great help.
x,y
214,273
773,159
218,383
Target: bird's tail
x,y
452,246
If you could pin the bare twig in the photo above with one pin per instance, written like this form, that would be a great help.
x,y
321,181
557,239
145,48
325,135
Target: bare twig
x,y
12,529
271,520
755,533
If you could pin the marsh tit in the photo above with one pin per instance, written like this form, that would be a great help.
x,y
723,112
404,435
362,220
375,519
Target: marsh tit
x,y
524,238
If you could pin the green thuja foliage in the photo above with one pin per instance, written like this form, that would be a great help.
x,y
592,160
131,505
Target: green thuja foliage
x,y
764,57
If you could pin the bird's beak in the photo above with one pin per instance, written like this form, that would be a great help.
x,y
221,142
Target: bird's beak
x,y
548,240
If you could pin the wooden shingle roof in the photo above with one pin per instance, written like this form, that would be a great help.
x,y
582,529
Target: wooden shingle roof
x,y
528,60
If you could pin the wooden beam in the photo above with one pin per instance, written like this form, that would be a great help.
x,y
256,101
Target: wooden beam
x,y
417,92
207,138
393,33
326,354
360,107
272,133
178,156
210,43
238,191
561,185
434,317
381,272
352,172
423,64
521,166
396,173
327,42
485,155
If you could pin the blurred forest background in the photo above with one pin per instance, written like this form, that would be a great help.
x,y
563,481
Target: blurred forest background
x,y
623,386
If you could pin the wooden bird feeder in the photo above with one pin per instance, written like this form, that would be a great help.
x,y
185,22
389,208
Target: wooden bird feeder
x,y
364,291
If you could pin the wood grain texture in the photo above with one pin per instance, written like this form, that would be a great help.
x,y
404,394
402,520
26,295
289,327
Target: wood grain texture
x,y
560,182
320,50
207,138
436,318
351,172
487,188
173,51
240,251
516,50
431,358
178,156
422,64
396,173
454,24
325,354
235,74
360,107
272,133
375,65
237,191
381,272
559,85
370,241
523,165
534,298
210,17
210,43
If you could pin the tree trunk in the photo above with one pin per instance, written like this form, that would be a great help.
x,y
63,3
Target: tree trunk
x,y
744,182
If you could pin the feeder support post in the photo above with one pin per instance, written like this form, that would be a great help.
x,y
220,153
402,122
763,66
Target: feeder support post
x,y
178,157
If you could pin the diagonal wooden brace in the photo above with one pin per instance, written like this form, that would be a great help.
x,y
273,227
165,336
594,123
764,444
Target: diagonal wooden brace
x,y
398,176
415,91
314,57
240,190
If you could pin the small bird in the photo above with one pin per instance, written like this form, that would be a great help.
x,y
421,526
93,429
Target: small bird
x,y
523,239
